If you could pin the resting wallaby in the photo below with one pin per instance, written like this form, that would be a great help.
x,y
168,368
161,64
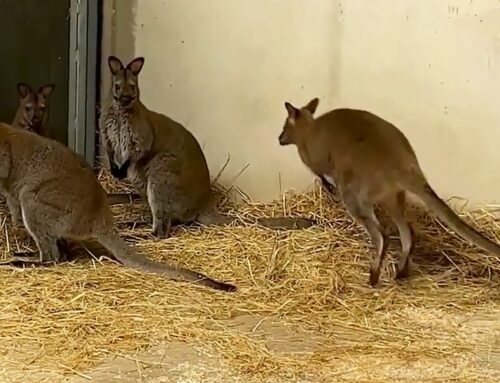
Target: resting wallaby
x,y
161,158
372,163
59,197
31,113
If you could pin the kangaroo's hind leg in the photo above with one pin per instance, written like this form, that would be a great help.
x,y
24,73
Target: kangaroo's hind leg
x,y
395,206
364,214
43,222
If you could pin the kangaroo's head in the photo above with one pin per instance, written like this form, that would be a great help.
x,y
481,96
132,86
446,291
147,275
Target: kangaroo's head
x,y
297,122
32,111
124,80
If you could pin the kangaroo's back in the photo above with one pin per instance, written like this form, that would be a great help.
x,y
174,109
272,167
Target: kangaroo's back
x,y
57,174
171,136
361,142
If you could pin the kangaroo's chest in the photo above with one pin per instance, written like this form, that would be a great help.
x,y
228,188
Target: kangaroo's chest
x,y
121,136
318,163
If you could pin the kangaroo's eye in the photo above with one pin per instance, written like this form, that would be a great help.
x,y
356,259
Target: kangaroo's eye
x,y
117,87
132,87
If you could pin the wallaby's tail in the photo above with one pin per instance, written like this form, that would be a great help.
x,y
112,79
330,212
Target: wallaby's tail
x,y
212,217
122,198
286,223
130,258
424,191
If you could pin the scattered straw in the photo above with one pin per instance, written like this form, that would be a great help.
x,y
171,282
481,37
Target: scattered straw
x,y
67,318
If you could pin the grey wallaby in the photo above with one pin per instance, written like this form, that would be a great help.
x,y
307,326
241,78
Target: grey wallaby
x,y
57,196
372,163
161,158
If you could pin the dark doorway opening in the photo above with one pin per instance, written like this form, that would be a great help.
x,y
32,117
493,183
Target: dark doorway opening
x,y
54,41
34,48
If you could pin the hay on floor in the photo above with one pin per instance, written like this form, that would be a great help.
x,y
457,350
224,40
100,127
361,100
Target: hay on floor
x,y
69,317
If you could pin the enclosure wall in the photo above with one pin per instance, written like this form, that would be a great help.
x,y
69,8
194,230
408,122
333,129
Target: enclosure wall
x,y
224,68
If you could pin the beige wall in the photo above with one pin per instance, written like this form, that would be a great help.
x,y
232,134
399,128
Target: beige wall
x,y
224,68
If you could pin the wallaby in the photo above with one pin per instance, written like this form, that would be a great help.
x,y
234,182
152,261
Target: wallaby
x,y
59,197
372,163
161,158
31,113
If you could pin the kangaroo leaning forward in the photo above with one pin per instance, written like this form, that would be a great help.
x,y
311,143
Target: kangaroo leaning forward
x,y
58,197
372,163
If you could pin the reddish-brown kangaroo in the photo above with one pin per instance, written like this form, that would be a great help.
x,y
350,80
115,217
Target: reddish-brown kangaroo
x,y
57,196
372,163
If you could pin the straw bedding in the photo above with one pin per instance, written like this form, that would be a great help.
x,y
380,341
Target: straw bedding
x,y
69,317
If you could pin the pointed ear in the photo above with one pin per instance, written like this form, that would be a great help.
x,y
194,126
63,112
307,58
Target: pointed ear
x,y
24,90
46,90
292,110
312,105
135,66
115,65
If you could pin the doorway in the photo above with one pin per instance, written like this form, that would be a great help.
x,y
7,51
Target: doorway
x,y
34,48
54,41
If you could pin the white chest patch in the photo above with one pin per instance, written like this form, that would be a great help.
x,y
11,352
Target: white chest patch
x,y
119,133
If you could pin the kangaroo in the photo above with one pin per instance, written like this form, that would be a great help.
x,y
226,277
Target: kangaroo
x,y
372,163
161,158
59,197
32,111
32,115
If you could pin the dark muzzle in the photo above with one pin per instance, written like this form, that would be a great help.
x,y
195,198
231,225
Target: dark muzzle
x,y
283,139
126,100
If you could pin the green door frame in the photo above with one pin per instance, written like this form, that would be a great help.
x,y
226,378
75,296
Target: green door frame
x,y
83,76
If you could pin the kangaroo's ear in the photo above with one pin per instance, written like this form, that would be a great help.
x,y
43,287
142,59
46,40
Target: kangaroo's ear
x,y
312,105
24,90
115,65
135,66
293,112
46,90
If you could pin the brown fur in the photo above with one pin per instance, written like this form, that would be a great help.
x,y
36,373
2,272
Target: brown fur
x,y
58,197
161,158
32,112
372,163
32,115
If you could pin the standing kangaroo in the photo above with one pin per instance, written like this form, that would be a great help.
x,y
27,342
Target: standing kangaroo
x,y
31,113
371,162
161,158
58,197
